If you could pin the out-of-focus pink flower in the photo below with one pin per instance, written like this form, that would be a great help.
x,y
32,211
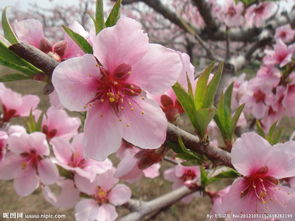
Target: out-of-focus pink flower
x,y
128,168
16,129
183,175
31,31
217,200
239,90
16,105
57,123
289,96
104,194
262,166
260,92
285,33
67,198
114,91
281,55
276,110
72,158
28,163
54,100
3,139
231,13
257,14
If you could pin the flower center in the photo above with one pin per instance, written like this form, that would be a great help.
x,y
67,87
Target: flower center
x,y
115,88
77,160
101,195
188,175
231,11
283,34
49,133
259,10
259,96
281,56
259,185
31,158
8,114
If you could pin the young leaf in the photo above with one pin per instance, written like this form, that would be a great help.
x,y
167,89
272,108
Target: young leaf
x,y
114,14
212,87
80,41
201,87
26,71
274,134
8,32
237,116
99,17
186,102
13,77
203,118
204,177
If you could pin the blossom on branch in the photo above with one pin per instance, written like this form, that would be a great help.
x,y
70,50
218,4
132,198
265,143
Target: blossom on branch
x,y
113,86
28,163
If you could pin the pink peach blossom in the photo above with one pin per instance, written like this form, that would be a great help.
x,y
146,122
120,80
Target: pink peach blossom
x,y
128,168
262,166
257,14
3,139
183,175
57,123
28,163
72,158
104,195
31,31
285,33
281,55
168,101
67,198
16,105
113,86
259,96
289,96
232,13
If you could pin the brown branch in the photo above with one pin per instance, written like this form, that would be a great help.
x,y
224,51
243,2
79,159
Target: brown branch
x,y
193,143
205,11
146,208
35,57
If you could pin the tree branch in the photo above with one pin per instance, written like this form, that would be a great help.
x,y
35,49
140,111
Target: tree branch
x,y
205,12
193,143
35,56
145,208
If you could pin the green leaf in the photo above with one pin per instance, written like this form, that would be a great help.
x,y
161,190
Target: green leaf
x,y
204,177
10,59
38,124
237,116
114,14
259,129
80,41
25,70
203,118
201,87
8,33
274,134
186,102
99,17
228,173
213,87
13,77
189,86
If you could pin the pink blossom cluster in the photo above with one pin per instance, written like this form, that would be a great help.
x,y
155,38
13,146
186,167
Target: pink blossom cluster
x,y
269,95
